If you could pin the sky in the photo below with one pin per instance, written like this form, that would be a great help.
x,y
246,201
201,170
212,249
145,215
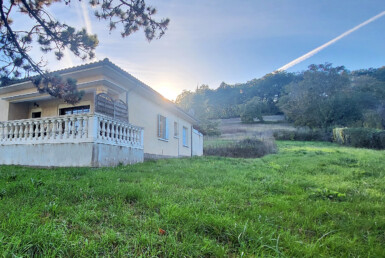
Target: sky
x,y
209,42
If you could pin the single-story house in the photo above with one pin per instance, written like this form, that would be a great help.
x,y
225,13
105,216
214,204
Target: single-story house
x,y
119,120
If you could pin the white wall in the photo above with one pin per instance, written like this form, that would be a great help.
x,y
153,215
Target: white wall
x,y
4,109
144,113
69,155
197,143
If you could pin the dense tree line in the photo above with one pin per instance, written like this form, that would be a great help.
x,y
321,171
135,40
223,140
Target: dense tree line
x,y
322,96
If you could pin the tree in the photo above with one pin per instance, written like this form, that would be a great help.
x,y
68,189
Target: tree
x,y
53,36
252,109
196,103
322,97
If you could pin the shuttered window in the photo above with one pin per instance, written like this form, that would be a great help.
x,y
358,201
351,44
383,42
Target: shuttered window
x,y
162,127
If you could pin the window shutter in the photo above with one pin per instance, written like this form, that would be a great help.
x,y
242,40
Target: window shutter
x,y
159,126
166,122
184,136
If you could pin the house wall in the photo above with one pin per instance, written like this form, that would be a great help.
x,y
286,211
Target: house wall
x,y
197,143
4,109
18,111
51,107
144,113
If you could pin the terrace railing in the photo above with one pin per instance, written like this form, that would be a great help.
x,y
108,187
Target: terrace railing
x,y
71,129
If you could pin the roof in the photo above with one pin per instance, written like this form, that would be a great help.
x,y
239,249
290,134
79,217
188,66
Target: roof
x,y
107,63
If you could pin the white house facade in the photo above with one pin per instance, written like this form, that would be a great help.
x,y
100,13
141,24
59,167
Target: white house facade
x,y
120,120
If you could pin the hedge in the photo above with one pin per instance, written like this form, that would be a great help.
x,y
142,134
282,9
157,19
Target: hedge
x,y
247,148
360,137
303,135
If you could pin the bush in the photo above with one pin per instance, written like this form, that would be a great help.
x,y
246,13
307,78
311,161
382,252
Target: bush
x,y
209,127
303,135
247,148
360,137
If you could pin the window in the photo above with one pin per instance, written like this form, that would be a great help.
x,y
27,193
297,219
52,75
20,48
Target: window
x,y
74,110
176,130
36,114
185,135
162,127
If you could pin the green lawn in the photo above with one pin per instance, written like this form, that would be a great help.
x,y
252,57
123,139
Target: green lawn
x,y
310,199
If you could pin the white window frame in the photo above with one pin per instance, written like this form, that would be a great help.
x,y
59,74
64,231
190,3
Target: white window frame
x,y
162,129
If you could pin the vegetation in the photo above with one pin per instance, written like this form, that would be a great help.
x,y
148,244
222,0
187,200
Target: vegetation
x,y
321,97
310,199
252,109
360,137
228,101
246,148
53,36
304,135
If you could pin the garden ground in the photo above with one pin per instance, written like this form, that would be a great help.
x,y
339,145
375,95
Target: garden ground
x,y
310,199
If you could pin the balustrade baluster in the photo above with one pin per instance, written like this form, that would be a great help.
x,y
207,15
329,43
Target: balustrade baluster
x,y
126,136
129,133
6,131
80,129
66,128
112,130
25,132
73,127
85,129
16,131
108,130
31,124
111,127
21,131
54,128
104,129
11,131
60,128
122,126
41,124
115,131
47,129
120,132
37,129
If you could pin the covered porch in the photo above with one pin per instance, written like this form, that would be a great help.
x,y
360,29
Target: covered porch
x,y
44,131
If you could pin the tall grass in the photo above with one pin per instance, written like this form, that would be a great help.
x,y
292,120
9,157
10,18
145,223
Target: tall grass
x,y
246,148
310,199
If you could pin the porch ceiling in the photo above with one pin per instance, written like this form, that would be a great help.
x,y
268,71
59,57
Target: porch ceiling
x,y
88,87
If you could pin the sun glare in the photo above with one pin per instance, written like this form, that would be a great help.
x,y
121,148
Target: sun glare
x,y
168,92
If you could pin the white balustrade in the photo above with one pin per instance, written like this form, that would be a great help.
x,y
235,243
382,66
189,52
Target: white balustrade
x,y
71,129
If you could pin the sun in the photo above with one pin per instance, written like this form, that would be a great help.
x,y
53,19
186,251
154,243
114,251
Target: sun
x,y
168,92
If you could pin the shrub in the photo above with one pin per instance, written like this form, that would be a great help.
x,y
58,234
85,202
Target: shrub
x,y
360,137
303,135
247,148
379,139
